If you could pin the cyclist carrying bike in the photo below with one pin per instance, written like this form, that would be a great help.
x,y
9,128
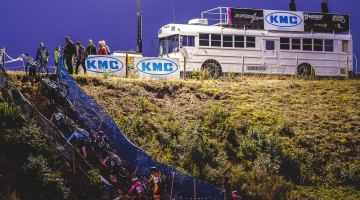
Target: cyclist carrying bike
x,y
42,55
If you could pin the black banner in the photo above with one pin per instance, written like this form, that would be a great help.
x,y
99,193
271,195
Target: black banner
x,y
248,18
327,23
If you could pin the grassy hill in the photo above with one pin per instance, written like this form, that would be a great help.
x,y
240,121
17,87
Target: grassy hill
x,y
274,137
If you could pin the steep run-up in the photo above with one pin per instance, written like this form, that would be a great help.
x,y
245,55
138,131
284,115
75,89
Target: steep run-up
x,y
92,115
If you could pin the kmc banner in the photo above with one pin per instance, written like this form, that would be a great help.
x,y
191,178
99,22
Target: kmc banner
x,y
326,23
276,20
248,18
111,65
158,68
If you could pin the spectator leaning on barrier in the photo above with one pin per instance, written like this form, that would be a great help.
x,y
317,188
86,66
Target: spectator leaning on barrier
x,y
57,56
90,49
324,6
102,49
292,5
69,53
80,57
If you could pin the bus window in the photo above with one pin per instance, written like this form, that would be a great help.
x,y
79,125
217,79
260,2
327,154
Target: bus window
x,y
239,41
188,41
169,45
204,40
295,44
318,45
270,45
329,45
227,41
250,42
215,40
285,43
345,46
307,44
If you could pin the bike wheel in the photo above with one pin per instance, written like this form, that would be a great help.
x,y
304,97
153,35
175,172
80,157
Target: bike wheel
x,y
43,71
63,90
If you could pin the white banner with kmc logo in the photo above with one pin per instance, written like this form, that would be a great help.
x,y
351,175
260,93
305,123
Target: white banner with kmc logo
x,y
283,20
159,68
111,65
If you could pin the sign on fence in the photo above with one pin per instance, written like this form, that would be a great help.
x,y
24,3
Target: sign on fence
x,y
144,67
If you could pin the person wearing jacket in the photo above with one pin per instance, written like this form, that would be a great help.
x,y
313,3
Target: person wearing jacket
x,y
80,57
292,5
69,53
90,49
42,55
57,56
102,49
324,6
82,140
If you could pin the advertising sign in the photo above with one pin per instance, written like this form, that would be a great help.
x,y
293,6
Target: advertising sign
x,y
327,23
160,68
106,64
283,20
248,18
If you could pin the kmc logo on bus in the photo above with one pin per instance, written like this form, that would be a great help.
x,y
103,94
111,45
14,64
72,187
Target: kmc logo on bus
x,y
157,66
283,19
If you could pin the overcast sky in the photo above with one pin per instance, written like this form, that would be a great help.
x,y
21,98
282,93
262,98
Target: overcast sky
x,y
24,23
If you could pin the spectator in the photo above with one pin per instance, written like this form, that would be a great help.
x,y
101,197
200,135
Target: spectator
x,y
107,47
227,188
42,55
69,53
324,6
57,55
292,5
31,68
82,140
102,49
139,188
90,49
80,57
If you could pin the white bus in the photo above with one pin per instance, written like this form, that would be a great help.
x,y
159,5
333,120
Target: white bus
x,y
253,47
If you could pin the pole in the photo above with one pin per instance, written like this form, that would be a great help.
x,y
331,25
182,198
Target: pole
x,y
194,189
172,184
126,65
139,27
184,67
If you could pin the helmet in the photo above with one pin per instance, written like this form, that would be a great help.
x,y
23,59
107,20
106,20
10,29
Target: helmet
x,y
153,169
134,179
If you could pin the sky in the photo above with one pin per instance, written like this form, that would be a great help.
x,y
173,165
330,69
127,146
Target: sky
x,y
24,23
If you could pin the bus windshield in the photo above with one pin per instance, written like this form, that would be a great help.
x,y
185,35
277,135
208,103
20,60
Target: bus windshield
x,y
169,45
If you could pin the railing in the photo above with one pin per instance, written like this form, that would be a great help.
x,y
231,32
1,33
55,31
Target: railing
x,y
217,16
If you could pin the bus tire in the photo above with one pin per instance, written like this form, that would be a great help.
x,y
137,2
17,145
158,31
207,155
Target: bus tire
x,y
213,69
306,70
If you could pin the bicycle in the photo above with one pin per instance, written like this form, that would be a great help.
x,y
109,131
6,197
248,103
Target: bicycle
x,y
53,89
41,70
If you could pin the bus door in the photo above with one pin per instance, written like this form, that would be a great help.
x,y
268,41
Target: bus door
x,y
271,55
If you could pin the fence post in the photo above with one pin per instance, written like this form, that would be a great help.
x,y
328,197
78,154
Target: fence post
x,y
194,189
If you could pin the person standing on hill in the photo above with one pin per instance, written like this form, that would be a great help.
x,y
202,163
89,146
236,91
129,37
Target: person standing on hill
x,y
292,5
57,56
42,55
106,47
69,54
324,6
90,49
102,49
80,57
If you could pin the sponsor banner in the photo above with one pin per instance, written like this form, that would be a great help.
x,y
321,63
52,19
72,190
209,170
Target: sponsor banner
x,y
106,64
248,18
160,68
327,23
283,20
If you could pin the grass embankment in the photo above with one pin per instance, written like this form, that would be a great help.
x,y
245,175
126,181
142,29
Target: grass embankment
x,y
275,138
